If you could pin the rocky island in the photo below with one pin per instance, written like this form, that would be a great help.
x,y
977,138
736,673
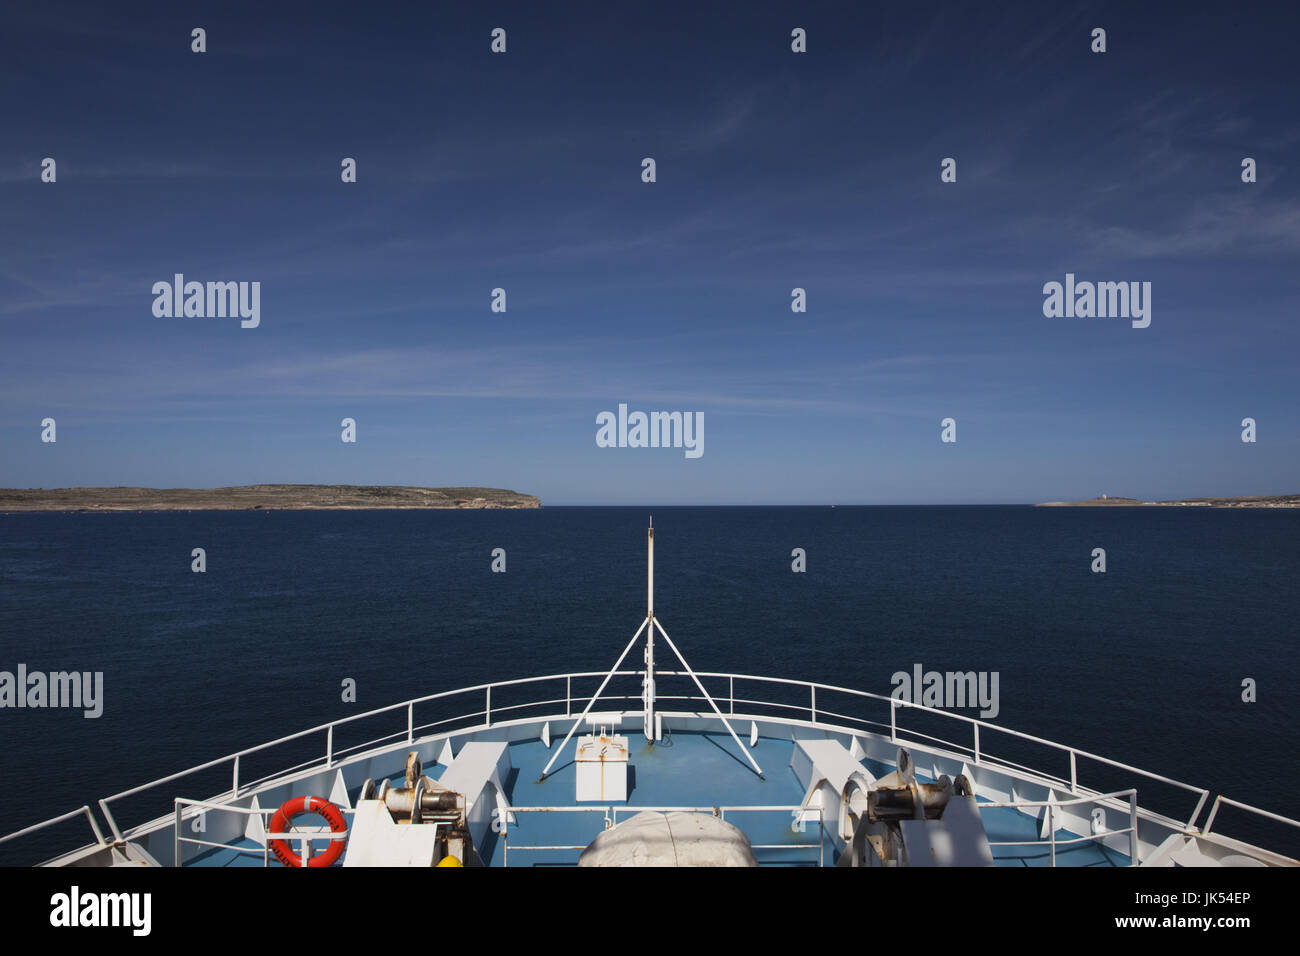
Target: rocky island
x,y
253,497
1254,501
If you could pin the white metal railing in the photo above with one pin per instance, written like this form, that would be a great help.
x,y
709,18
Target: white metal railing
x,y
812,711
611,813
302,835
94,825
1073,753
331,755
1053,805
1214,811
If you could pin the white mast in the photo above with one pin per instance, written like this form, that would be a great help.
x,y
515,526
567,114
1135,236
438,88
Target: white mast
x,y
648,687
648,696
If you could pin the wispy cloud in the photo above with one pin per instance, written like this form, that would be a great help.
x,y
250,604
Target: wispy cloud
x,y
1250,223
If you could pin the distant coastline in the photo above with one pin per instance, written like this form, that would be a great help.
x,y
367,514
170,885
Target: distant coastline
x,y
1254,501
260,497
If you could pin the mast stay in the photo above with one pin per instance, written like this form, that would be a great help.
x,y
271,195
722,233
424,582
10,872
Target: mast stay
x,y
649,625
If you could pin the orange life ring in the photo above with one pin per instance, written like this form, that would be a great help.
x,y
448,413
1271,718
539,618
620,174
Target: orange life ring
x,y
292,808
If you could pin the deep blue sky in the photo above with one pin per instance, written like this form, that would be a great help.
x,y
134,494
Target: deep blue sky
x,y
775,170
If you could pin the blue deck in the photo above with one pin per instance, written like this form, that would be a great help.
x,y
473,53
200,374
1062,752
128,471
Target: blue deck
x,y
694,770
684,770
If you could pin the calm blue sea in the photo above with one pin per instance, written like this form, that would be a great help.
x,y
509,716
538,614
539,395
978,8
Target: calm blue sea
x,y
1143,664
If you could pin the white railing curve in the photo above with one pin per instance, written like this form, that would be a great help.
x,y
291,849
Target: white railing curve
x,y
813,711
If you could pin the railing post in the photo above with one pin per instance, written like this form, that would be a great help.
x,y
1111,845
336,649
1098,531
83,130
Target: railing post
x,y
1051,832
487,709
814,704
1214,811
568,695
410,722
1074,773
99,836
176,833
1133,828
234,778
329,747
893,720
108,815
1205,795
731,709
977,746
